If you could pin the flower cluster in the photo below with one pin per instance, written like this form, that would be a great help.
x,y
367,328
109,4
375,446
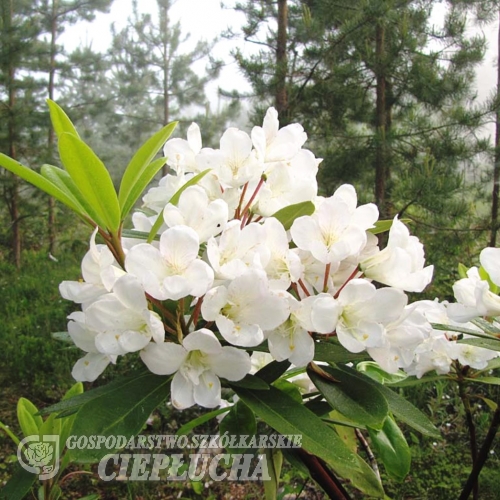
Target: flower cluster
x,y
242,252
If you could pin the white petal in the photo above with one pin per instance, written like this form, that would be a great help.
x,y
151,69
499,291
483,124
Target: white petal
x,y
182,392
202,340
163,359
231,363
207,392
88,368
179,246
490,260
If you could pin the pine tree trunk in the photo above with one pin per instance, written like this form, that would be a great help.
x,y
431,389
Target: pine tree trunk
x,y
281,61
380,122
166,68
51,138
14,189
496,169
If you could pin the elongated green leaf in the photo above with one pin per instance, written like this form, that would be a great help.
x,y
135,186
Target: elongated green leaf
x,y
462,271
141,160
60,120
401,407
186,428
274,461
138,235
63,181
174,200
147,176
335,353
18,485
93,180
485,380
374,371
355,397
239,421
491,344
286,416
409,414
288,214
459,329
382,226
252,382
123,411
74,403
288,388
273,371
392,449
67,422
29,420
38,181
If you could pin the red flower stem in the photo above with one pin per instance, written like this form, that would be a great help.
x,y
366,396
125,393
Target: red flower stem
x,y
352,276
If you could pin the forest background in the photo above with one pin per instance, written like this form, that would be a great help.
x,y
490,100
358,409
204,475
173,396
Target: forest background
x,y
385,89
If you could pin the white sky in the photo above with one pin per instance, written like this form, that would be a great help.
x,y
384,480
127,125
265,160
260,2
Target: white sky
x,y
206,19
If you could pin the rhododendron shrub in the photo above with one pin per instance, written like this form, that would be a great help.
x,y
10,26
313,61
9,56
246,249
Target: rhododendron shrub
x,y
234,258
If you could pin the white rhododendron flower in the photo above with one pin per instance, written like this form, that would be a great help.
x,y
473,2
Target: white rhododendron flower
x,y
337,229
123,320
88,368
365,312
245,308
207,218
198,363
181,153
237,261
401,263
99,270
174,270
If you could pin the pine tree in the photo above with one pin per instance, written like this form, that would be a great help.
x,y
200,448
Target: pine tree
x,y
20,127
385,96
154,76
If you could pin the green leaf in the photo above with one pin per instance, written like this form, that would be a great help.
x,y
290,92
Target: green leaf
x,y
29,420
493,345
382,226
74,403
139,165
147,176
67,422
186,428
63,181
355,397
93,180
286,416
288,388
374,371
60,120
409,414
138,235
18,485
38,181
335,353
275,461
459,329
392,449
462,271
174,200
251,382
483,274
239,421
485,380
51,426
288,214
122,411
273,370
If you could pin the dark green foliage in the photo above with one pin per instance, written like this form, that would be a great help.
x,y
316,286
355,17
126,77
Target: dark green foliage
x,y
31,309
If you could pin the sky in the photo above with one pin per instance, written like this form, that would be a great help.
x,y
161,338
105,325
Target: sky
x,y
206,19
